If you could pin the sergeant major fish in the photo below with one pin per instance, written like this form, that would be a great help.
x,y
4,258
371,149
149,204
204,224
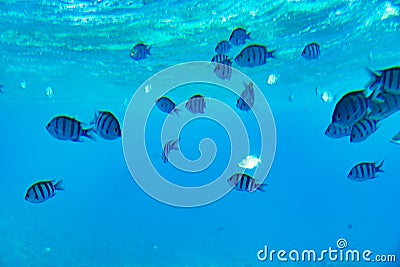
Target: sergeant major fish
x,y
246,99
244,182
365,171
168,147
196,104
311,51
223,70
253,55
167,105
335,131
42,191
388,105
362,130
350,108
66,128
239,36
140,52
221,58
106,125
388,80
222,47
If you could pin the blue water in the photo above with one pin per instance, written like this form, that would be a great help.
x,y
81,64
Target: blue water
x,y
81,49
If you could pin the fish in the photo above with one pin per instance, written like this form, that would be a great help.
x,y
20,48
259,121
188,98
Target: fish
x,y
335,131
325,95
1,89
249,162
389,104
362,130
167,105
239,36
311,51
246,99
244,182
351,108
365,171
106,125
42,191
68,129
196,104
253,55
168,147
223,70
140,52
221,58
387,80
222,47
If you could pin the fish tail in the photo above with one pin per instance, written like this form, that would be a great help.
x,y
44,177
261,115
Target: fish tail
x,y
96,114
270,54
248,36
89,134
176,111
148,50
261,187
379,167
58,186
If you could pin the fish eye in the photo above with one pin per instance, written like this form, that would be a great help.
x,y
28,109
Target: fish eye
x,y
338,116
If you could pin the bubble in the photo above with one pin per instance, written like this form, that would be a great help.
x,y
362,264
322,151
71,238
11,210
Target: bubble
x,y
23,84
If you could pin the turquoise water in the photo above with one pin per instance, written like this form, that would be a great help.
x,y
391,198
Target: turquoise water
x,y
81,50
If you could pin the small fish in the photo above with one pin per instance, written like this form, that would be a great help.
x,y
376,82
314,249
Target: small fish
x,y
196,104
1,89
239,36
253,55
106,125
223,70
42,191
223,59
246,99
249,162
69,129
365,171
387,105
222,47
167,105
362,130
244,182
335,131
351,108
387,80
311,51
139,52
168,147
325,95
396,139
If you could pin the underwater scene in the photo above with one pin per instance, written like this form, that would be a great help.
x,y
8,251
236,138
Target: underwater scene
x,y
200,133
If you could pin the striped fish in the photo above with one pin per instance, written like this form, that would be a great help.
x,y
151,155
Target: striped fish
x,y
388,105
335,131
222,47
140,52
239,36
66,128
388,80
221,58
244,182
351,108
362,130
168,147
223,70
196,104
311,51
166,105
42,191
246,99
106,125
253,55
365,171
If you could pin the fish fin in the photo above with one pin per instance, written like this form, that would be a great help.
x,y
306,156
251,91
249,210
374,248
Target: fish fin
x,y
148,50
248,36
379,167
174,144
176,111
89,134
270,54
96,114
261,187
373,76
58,186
